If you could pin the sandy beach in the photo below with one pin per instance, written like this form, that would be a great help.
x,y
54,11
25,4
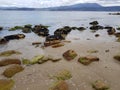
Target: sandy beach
x,y
37,76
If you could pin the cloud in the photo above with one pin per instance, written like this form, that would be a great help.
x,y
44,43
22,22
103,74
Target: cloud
x,y
52,3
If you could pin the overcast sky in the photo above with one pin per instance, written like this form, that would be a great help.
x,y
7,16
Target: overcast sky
x,y
51,3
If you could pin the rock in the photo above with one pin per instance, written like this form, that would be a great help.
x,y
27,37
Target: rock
x,y
59,85
97,35
41,30
118,40
36,59
1,28
81,28
16,28
108,27
36,43
117,34
88,59
15,36
57,45
6,84
114,13
117,57
25,61
12,70
49,43
54,37
56,59
9,53
63,75
3,41
97,27
5,62
27,28
100,85
118,28
66,41
74,28
111,31
94,23
69,55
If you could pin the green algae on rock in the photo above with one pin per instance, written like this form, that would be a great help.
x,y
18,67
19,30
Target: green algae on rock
x,y
100,85
6,84
25,61
36,59
9,53
5,62
59,85
12,70
69,55
63,75
15,28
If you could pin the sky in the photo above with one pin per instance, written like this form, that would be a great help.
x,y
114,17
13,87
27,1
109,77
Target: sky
x,y
52,3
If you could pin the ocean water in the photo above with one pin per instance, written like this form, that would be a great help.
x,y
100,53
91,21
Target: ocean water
x,y
58,19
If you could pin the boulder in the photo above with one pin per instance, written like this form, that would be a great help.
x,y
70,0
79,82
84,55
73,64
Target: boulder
x,y
88,59
81,28
111,31
100,85
27,28
41,30
69,55
3,41
97,27
108,27
12,70
94,23
13,37
5,62
59,85
6,84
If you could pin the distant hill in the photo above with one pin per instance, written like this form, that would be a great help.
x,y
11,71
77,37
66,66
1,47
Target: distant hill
x,y
76,7
85,7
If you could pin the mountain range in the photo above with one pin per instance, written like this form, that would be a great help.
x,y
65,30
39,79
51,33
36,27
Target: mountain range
x,y
75,7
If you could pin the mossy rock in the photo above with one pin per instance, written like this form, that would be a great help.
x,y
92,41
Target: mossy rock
x,y
69,55
9,53
100,85
36,59
5,62
63,75
117,57
15,28
84,61
26,30
59,85
25,61
118,40
6,84
12,70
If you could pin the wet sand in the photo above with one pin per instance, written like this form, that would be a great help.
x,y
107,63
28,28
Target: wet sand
x,y
36,77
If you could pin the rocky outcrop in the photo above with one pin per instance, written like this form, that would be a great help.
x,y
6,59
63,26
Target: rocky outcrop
x,y
41,30
69,55
117,57
27,28
5,62
12,70
96,27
